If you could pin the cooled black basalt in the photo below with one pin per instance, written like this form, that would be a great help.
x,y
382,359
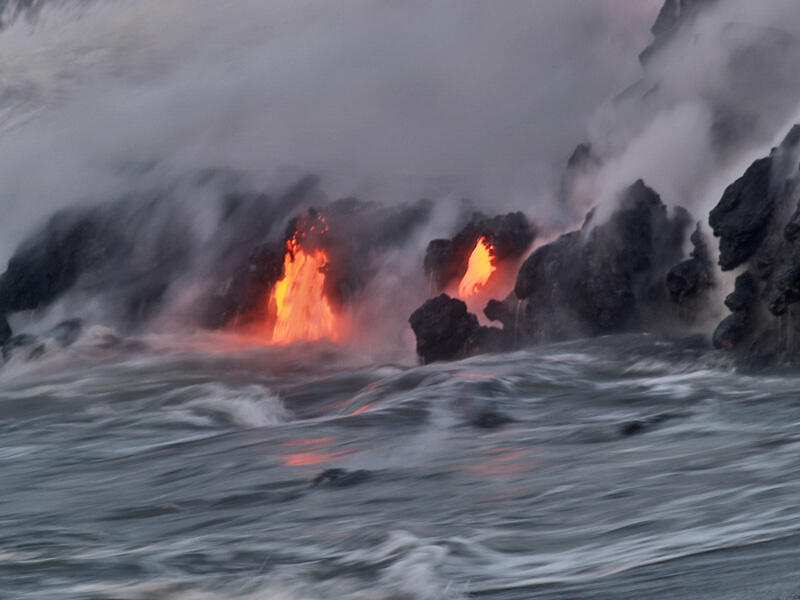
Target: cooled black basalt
x,y
444,329
350,231
606,278
446,260
243,297
757,222
687,280
740,219
49,262
5,331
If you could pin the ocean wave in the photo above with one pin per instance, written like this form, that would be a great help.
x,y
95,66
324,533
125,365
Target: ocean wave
x,y
211,403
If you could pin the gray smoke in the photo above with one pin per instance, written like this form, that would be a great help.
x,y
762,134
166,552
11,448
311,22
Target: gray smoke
x,y
716,92
385,100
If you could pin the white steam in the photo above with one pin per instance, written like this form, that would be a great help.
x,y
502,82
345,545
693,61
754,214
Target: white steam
x,y
384,99
720,93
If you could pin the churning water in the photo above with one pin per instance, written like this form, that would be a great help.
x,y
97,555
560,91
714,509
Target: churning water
x,y
631,467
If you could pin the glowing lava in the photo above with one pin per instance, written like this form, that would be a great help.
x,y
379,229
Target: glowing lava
x,y
479,269
302,312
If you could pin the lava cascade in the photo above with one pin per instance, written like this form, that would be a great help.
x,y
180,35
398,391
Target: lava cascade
x,y
479,269
302,311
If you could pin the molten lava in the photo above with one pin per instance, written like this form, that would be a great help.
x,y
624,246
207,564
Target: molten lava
x,y
479,269
302,311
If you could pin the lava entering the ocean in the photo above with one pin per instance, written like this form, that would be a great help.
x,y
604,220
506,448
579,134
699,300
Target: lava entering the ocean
x,y
302,311
479,269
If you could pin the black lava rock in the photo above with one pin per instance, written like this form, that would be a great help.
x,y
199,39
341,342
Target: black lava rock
x,y
351,232
686,280
49,263
758,221
500,311
5,331
741,218
606,278
736,327
689,279
446,260
243,298
744,295
673,15
444,329
786,292
731,330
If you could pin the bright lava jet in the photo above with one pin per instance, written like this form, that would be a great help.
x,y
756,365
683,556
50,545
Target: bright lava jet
x,y
479,269
302,311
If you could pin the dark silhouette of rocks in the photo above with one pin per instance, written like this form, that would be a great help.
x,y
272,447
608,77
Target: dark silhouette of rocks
x,y
349,230
741,218
608,277
757,222
741,302
5,331
673,15
49,262
446,260
690,279
605,278
443,328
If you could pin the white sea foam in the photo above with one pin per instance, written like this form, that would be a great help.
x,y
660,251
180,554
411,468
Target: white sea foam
x,y
248,406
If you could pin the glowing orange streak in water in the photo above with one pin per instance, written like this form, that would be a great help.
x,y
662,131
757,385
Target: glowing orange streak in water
x,y
305,459
479,269
310,442
507,463
302,310
313,451
362,409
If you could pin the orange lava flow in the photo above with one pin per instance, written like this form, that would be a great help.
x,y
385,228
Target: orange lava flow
x,y
301,308
479,269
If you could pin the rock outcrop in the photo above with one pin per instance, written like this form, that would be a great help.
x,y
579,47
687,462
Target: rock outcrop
x,y
446,260
673,15
608,277
741,302
757,223
50,261
689,280
741,218
444,329
605,278
352,232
